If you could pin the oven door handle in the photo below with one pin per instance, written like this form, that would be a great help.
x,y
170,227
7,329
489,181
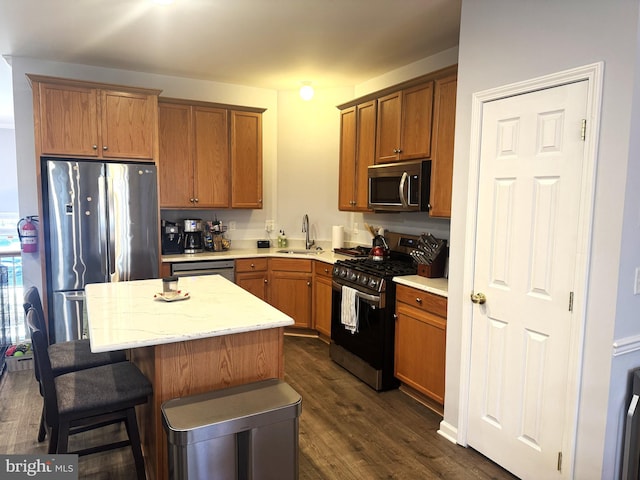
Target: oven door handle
x,y
373,299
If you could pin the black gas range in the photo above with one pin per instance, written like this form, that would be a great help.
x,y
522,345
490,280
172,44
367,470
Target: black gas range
x,y
363,330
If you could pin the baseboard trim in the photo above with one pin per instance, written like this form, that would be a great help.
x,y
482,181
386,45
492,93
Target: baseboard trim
x,y
448,431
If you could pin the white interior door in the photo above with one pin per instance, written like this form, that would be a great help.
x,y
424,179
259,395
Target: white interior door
x,y
526,244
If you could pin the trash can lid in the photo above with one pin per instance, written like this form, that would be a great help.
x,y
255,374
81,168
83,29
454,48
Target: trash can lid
x,y
227,411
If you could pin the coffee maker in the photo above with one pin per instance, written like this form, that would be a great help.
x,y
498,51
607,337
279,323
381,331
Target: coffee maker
x,y
192,236
171,238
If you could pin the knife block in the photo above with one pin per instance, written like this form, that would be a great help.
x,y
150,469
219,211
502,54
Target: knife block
x,y
436,268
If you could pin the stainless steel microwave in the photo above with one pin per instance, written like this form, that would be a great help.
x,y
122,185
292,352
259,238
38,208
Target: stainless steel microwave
x,y
400,187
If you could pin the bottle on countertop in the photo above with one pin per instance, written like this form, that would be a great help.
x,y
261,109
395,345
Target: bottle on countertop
x,y
284,239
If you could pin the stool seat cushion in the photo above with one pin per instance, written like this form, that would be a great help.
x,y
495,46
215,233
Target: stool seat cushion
x,y
76,355
104,388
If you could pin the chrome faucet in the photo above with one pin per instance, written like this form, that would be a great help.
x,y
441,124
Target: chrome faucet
x,y
305,228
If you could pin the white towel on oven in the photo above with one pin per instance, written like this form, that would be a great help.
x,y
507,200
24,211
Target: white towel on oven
x,y
349,309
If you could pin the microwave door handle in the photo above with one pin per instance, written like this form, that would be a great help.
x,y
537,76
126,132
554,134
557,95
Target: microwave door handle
x,y
403,181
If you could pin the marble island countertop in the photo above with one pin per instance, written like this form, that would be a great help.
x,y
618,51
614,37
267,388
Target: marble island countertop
x,y
126,315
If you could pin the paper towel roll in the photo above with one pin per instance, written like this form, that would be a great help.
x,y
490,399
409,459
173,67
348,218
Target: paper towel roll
x,y
337,237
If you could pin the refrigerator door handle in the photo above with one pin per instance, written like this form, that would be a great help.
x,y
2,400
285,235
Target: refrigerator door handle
x,y
111,233
103,225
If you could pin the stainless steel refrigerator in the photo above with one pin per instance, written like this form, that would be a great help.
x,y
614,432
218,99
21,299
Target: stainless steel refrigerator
x,y
101,226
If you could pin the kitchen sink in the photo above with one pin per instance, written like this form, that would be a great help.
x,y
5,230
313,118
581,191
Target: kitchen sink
x,y
301,252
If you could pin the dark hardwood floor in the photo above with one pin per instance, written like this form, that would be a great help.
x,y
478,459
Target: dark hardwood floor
x,y
347,430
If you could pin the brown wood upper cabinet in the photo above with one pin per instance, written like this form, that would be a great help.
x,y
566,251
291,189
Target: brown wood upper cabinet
x,y
194,156
85,119
404,124
357,152
210,156
444,123
246,159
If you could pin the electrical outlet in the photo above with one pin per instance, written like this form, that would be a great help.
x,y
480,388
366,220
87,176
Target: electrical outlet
x,y
232,226
269,225
636,284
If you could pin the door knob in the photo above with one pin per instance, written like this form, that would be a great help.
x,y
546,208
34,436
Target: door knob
x,y
478,298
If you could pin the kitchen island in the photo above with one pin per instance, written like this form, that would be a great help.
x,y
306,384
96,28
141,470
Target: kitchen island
x,y
218,337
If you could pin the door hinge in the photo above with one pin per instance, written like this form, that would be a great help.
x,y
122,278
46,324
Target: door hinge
x,y
571,301
559,461
583,130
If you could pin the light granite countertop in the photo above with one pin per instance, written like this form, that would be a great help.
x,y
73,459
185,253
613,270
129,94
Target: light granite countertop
x,y
124,315
437,286
327,256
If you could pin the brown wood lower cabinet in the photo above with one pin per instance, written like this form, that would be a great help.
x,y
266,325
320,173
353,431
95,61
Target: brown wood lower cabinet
x,y
322,297
420,341
285,283
290,288
252,274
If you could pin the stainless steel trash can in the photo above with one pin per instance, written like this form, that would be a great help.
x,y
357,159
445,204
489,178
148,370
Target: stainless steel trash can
x,y
248,432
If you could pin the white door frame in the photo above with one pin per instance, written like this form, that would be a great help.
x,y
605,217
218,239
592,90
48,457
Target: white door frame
x,y
593,73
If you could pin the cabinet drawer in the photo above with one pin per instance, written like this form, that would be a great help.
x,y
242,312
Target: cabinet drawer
x,y
424,301
251,265
290,265
323,269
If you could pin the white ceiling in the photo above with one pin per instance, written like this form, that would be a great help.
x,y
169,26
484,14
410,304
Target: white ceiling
x,y
274,44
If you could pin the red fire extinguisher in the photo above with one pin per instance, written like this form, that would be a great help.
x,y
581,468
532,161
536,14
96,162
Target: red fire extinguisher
x,y
28,234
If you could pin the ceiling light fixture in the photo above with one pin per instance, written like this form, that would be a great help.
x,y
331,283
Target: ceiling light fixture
x,y
306,91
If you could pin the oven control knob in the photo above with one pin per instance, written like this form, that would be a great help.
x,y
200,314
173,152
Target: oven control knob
x,y
353,276
364,279
343,272
373,283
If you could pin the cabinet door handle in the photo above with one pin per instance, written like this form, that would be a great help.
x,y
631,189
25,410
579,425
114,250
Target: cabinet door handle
x,y
105,148
308,284
196,200
418,300
253,265
266,281
95,147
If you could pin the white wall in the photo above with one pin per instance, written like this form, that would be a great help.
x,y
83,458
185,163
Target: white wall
x,y
9,184
502,42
